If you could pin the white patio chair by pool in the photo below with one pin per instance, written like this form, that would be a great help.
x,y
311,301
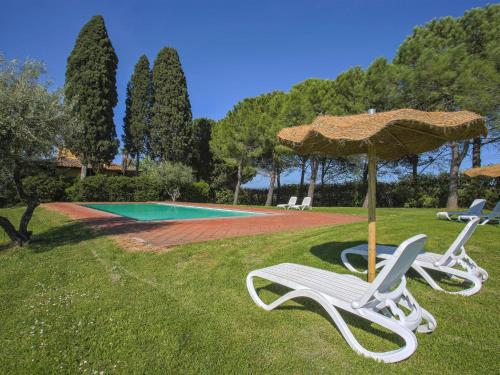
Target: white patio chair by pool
x,y
443,263
485,218
379,302
291,202
475,209
306,203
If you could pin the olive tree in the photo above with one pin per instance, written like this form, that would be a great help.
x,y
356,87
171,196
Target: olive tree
x,y
31,121
171,177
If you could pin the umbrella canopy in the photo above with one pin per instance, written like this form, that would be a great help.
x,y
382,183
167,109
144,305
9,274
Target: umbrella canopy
x,y
488,171
385,135
389,135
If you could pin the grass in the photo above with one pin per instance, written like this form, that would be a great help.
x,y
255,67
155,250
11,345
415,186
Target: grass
x,y
74,302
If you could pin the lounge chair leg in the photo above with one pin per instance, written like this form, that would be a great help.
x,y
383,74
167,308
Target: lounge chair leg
x,y
389,323
475,281
349,266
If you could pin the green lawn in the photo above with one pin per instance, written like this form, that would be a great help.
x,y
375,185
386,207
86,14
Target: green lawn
x,y
75,302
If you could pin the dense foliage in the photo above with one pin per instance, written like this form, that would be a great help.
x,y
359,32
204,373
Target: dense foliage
x,y
432,191
31,124
445,65
202,158
138,111
90,92
102,188
236,140
170,177
170,134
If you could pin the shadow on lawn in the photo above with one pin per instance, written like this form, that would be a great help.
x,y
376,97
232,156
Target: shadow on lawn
x,y
351,320
330,252
87,229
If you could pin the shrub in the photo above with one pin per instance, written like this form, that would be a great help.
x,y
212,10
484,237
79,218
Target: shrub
x,y
145,189
224,196
171,177
47,188
114,189
427,201
74,192
94,189
430,191
197,192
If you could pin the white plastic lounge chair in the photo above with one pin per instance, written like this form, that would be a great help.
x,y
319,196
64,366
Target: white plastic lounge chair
x,y
445,263
291,202
475,209
486,218
306,203
379,302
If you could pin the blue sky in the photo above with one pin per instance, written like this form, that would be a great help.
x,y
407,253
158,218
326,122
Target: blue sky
x,y
229,49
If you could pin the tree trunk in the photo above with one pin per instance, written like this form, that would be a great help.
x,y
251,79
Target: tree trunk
x,y
278,185
414,167
27,215
476,152
312,180
457,157
323,167
83,172
365,183
302,176
238,184
22,236
414,159
137,158
272,182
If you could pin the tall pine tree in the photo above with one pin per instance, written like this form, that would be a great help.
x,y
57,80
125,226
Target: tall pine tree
x,y
138,110
171,113
90,90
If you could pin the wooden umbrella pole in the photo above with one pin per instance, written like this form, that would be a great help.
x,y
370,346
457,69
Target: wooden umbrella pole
x,y
372,220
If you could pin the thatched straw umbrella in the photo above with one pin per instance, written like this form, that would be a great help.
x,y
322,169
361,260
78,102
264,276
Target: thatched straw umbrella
x,y
385,135
488,171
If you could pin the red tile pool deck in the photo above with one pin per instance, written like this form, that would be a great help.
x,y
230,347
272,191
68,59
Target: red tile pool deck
x,y
165,234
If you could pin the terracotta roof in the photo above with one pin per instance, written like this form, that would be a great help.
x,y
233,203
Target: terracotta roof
x,y
65,162
390,135
488,171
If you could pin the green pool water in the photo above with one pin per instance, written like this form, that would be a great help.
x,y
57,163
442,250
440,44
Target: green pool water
x,y
155,211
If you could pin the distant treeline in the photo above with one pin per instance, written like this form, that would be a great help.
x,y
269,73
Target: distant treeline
x,y
432,191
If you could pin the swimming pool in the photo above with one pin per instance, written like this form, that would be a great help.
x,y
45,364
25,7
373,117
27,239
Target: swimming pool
x,y
163,211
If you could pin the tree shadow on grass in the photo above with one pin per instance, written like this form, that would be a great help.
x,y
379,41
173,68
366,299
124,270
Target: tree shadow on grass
x,y
82,230
330,251
352,320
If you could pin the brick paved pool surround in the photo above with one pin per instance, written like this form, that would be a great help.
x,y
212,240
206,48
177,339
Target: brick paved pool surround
x,y
167,233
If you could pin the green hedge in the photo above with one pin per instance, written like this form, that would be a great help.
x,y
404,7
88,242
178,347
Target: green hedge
x,y
103,188
431,191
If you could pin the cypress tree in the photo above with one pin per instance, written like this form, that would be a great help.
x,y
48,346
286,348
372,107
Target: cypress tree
x,y
171,129
138,110
90,90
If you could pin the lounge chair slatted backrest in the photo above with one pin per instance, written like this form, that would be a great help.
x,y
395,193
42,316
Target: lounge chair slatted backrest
x,y
456,246
496,211
306,201
396,267
476,207
292,201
